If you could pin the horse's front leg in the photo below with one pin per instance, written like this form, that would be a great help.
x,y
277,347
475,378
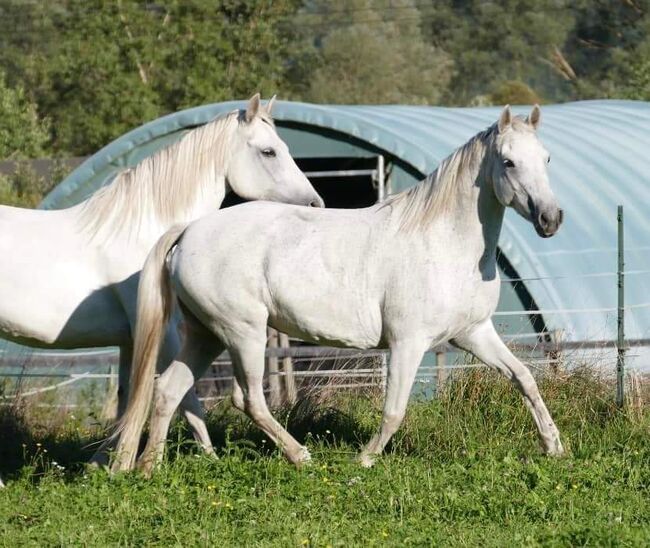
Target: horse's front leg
x,y
101,456
124,378
405,358
484,342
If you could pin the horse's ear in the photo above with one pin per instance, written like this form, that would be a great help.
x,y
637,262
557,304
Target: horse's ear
x,y
253,107
534,117
269,105
505,119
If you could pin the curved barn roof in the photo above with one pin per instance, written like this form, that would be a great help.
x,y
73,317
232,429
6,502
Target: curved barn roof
x,y
600,159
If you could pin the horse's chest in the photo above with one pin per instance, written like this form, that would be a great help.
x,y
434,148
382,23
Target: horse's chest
x,y
449,304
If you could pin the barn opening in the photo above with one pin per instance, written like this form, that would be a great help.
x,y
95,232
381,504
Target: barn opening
x,y
343,182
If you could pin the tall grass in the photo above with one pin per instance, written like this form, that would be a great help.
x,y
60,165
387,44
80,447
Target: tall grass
x,y
465,469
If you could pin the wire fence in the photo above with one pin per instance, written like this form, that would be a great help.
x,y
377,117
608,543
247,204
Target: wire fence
x,y
293,366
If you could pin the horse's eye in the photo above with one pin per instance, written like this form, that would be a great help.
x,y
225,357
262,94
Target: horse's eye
x,y
508,163
268,152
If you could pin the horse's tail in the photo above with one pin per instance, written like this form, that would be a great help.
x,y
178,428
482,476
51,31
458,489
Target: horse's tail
x,y
155,304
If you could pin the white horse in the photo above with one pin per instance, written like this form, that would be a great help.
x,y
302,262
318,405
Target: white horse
x,y
69,278
408,274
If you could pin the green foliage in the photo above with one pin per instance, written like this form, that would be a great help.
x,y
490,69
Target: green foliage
x,y
22,134
514,92
24,187
464,470
493,42
609,42
101,69
362,54
94,69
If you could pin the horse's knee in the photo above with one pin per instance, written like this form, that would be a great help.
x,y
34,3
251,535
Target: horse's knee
x,y
237,399
166,398
391,421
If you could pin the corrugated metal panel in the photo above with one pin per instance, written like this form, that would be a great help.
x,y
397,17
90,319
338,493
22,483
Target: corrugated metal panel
x,y
599,155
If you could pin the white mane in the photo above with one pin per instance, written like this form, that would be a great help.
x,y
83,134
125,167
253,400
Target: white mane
x,y
164,186
455,175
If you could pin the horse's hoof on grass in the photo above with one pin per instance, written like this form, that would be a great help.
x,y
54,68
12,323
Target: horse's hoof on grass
x,y
146,467
555,449
301,458
367,460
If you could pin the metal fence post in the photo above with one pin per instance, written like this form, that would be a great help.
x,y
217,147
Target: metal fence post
x,y
620,360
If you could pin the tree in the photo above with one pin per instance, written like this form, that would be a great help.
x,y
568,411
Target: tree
x,y
361,52
100,69
22,133
500,41
514,92
609,47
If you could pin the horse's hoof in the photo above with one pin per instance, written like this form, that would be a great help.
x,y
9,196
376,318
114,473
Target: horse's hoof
x,y
555,449
146,467
301,458
367,460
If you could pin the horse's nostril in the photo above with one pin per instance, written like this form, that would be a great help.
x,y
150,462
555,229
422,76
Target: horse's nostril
x,y
560,217
543,220
317,202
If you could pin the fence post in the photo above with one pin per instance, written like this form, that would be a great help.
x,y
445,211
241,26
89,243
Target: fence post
x,y
287,368
620,359
274,378
441,374
555,355
109,409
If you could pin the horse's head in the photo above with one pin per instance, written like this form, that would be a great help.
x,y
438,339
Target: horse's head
x,y
520,173
261,167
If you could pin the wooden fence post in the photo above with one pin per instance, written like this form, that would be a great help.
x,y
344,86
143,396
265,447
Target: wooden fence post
x,y
109,409
287,369
555,355
275,398
441,373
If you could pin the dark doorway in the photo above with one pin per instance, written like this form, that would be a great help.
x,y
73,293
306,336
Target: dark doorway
x,y
350,187
345,189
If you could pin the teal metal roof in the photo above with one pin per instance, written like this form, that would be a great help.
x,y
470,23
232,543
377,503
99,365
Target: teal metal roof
x,y
599,155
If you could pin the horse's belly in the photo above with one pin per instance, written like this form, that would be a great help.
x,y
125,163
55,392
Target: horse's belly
x,y
58,303
96,320
53,286
333,322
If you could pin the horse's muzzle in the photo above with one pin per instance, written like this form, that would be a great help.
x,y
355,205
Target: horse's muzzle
x,y
548,222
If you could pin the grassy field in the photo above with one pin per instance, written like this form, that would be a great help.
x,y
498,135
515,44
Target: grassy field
x,y
464,470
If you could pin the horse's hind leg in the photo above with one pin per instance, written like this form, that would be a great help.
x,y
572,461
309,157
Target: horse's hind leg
x,y
248,360
405,358
199,349
191,407
485,343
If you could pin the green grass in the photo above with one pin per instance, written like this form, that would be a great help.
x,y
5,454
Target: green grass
x,y
464,470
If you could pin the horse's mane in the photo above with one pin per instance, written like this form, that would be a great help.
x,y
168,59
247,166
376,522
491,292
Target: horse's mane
x,y
440,191
165,185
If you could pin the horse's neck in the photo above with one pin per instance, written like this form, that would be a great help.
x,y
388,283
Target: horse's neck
x,y
472,227
142,238
209,197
